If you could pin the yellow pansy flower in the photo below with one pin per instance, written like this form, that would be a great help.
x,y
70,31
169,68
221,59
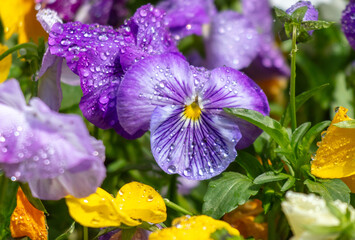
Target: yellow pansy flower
x,y
26,220
19,16
135,202
5,64
335,157
192,228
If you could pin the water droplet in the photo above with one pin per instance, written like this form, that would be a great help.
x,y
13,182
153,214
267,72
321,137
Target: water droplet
x,y
104,99
103,37
13,178
150,198
171,169
65,42
2,139
187,172
46,162
120,193
143,12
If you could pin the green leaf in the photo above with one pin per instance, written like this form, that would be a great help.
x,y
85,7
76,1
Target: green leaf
x,y
250,164
8,192
223,234
288,184
127,234
270,177
2,32
300,100
299,13
267,124
346,124
227,193
299,133
67,233
311,135
302,35
315,25
37,203
330,189
282,15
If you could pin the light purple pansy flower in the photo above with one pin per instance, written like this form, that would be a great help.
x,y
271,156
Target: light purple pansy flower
x,y
311,13
348,23
232,41
269,61
186,17
182,107
100,55
140,234
53,152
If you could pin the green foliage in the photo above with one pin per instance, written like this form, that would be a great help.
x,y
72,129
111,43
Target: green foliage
x,y
330,189
222,234
295,20
8,191
67,233
226,193
250,164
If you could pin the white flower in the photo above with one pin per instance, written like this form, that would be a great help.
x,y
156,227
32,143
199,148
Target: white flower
x,y
304,211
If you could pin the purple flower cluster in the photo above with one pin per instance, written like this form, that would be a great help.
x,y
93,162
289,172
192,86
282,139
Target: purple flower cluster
x,y
134,79
231,39
53,152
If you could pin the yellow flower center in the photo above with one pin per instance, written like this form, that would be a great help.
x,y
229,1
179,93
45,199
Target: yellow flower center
x,y
193,111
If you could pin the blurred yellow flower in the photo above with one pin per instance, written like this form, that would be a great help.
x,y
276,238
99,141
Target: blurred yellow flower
x,y
335,157
26,220
19,16
5,64
135,202
192,228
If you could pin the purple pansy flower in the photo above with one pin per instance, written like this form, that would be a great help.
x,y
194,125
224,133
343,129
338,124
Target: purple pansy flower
x,y
140,234
100,55
348,23
186,17
97,11
269,61
53,152
232,41
182,107
65,9
311,13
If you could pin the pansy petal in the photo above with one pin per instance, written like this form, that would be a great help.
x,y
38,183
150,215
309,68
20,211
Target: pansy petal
x,y
11,95
311,13
49,89
48,18
26,220
186,17
97,210
154,81
348,23
5,64
259,13
196,149
229,88
191,228
336,153
232,41
39,144
65,9
140,201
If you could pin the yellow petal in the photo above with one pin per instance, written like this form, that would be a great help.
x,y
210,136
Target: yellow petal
x,y
97,210
19,16
5,64
140,201
335,157
192,228
26,220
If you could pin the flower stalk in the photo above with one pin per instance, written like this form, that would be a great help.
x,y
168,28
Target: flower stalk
x,y
293,79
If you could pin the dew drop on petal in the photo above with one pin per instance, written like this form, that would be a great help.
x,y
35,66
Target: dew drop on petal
x,y
171,169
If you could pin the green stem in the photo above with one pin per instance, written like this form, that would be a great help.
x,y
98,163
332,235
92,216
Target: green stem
x,y
18,47
85,233
293,79
177,207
